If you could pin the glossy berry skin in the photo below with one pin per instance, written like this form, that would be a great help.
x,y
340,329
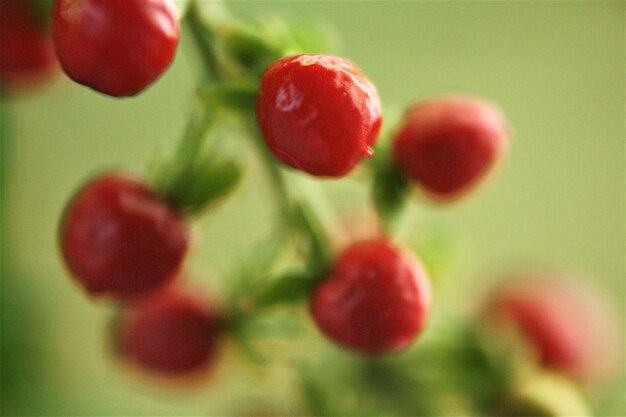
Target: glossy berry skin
x,y
318,113
173,333
567,326
26,49
375,300
119,238
448,144
116,47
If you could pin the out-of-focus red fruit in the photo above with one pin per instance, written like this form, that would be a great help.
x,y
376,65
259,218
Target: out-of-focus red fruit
x,y
448,144
174,332
569,327
375,300
26,49
119,238
116,47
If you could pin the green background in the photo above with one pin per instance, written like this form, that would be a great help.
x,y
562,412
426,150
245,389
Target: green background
x,y
555,68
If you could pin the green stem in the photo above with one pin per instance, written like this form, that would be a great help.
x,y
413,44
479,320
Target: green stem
x,y
276,178
204,38
201,120
307,220
294,211
169,178
193,139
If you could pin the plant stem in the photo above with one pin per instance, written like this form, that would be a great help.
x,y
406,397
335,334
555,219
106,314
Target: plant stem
x,y
276,178
239,94
203,37
193,138
175,173
201,120
306,219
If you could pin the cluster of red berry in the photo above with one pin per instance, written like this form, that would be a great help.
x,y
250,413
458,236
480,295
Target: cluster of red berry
x,y
124,239
319,114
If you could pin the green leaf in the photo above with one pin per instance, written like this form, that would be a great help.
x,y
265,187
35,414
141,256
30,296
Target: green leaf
x,y
255,44
203,184
275,31
289,287
238,94
313,35
245,44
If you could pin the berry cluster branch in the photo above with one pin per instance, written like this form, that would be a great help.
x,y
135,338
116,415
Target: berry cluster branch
x,y
126,238
295,210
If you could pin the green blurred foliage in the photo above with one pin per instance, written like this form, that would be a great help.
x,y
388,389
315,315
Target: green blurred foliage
x,y
555,68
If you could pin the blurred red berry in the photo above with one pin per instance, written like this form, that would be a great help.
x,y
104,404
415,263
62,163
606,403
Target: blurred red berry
x,y
375,300
26,49
569,327
119,238
174,332
319,114
116,47
448,144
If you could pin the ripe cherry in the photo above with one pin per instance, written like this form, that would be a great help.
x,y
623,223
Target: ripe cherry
x,y
174,332
116,47
119,238
569,327
448,144
27,52
375,300
318,113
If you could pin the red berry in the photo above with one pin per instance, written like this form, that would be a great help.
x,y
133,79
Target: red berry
x,y
119,238
448,144
568,326
318,113
26,51
375,300
173,333
117,47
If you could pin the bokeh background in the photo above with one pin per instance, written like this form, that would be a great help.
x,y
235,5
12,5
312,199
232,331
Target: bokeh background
x,y
555,68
